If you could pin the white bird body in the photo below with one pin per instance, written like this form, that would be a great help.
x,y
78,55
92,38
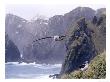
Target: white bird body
x,y
56,38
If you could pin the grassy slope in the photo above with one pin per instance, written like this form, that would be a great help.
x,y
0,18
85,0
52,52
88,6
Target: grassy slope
x,y
96,69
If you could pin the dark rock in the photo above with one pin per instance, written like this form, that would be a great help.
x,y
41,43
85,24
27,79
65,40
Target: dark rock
x,y
94,21
80,48
100,21
12,53
55,76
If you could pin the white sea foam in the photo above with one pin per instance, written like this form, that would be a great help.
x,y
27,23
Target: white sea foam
x,y
47,66
12,63
23,63
35,65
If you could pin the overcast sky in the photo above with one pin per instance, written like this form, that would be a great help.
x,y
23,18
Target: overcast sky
x,y
28,11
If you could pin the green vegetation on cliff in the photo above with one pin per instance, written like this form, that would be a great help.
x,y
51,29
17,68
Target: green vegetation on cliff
x,y
96,69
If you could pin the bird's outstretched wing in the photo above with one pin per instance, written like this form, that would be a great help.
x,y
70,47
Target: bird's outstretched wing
x,y
60,38
42,38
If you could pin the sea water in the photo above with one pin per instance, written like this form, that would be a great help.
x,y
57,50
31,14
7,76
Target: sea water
x,y
14,70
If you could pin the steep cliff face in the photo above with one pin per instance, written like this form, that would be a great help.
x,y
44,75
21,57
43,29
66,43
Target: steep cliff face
x,y
16,30
87,40
80,47
12,53
99,37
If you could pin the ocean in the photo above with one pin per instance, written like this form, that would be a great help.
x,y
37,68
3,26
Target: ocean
x,y
14,70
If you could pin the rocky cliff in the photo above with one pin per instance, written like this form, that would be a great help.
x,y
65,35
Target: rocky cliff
x,y
80,47
12,53
87,39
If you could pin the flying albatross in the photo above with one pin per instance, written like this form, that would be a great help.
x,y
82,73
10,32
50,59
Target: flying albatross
x,y
55,38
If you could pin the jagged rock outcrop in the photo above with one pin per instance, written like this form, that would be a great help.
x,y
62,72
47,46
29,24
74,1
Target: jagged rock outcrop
x,y
99,37
12,53
80,47
86,40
